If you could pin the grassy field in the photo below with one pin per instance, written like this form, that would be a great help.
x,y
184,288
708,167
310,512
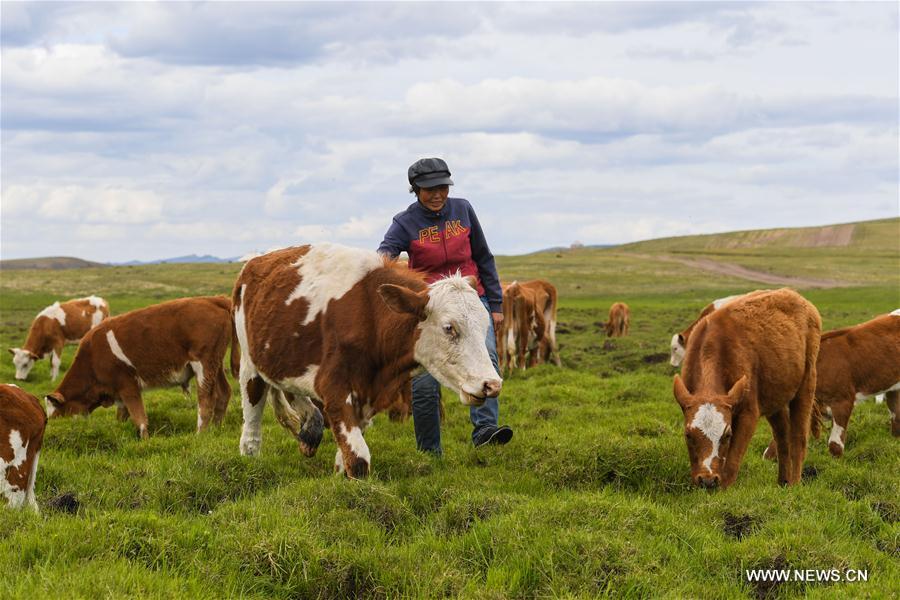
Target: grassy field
x,y
590,499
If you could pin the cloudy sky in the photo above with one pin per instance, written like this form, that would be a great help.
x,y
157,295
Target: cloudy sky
x,y
144,131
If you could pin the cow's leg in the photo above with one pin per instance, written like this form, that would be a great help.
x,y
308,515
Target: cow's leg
x,y
18,460
551,337
121,411
223,396
30,498
801,409
893,403
353,456
253,401
130,394
510,348
207,388
742,432
780,445
55,361
301,417
840,418
523,337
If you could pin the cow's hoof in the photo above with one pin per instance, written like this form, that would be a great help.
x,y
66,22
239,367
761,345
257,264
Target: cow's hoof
x,y
249,447
357,469
310,435
836,449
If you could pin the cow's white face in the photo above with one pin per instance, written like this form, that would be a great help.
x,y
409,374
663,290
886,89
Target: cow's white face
x,y
676,356
451,344
453,329
23,360
707,429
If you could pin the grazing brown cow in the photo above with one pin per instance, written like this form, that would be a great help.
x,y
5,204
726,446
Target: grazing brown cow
x,y
619,319
22,422
345,327
54,326
529,325
159,346
680,340
856,363
544,330
755,357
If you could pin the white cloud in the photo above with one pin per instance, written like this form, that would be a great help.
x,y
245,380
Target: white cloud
x,y
196,128
74,203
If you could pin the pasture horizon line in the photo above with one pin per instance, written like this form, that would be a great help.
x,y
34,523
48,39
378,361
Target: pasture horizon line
x,y
207,257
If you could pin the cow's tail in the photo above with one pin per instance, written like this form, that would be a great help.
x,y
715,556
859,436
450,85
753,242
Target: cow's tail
x,y
815,420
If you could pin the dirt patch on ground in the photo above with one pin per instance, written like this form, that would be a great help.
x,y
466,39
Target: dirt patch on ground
x,y
738,526
66,502
652,359
809,473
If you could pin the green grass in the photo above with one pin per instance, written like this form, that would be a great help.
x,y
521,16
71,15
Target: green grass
x,y
590,499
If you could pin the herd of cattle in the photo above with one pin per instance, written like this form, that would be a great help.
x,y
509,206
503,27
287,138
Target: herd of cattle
x,y
331,335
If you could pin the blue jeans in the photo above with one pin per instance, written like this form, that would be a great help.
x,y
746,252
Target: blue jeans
x,y
426,398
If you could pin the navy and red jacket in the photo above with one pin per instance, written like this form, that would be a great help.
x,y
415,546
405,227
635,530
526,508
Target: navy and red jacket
x,y
440,243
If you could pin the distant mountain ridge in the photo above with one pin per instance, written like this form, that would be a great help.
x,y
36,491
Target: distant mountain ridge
x,y
189,258
49,262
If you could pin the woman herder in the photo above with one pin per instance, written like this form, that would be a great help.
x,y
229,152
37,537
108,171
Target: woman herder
x,y
442,235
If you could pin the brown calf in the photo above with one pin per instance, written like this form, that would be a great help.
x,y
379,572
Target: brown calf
x,y
344,328
755,357
855,363
22,422
159,346
56,325
619,319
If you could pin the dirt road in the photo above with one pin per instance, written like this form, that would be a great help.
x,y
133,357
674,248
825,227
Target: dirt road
x,y
740,272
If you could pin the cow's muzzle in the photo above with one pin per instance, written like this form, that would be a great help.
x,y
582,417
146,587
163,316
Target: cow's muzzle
x,y
492,387
709,483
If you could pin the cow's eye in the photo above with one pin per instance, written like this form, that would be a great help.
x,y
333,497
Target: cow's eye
x,y
450,330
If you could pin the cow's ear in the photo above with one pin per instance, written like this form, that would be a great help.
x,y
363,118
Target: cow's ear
x,y
681,340
33,355
404,300
12,351
56,398
681,394
473,283
738,392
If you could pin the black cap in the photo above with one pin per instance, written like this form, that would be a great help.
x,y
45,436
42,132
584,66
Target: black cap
x,y
429,172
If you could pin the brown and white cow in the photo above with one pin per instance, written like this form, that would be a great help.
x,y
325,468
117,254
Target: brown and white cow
x,y
22,422
56,325
856,363
529,324
619,320
680,340
754,357
345,328
545,305
162,345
